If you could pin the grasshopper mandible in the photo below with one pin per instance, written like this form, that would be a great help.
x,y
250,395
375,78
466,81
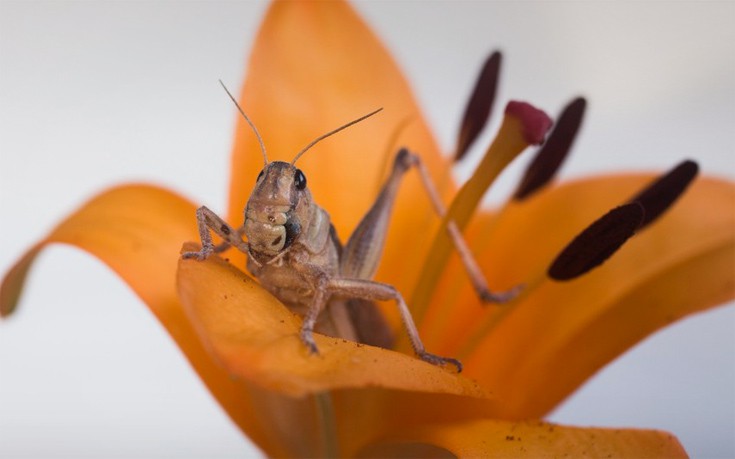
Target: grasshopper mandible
x,y
293,249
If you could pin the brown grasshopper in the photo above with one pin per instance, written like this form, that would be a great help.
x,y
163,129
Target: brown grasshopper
x,y
294,251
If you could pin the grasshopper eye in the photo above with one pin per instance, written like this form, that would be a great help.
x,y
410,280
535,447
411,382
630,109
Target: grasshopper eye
x,y
259,176
300,179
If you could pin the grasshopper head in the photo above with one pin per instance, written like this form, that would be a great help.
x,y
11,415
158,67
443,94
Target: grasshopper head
x,y
277,209
280,206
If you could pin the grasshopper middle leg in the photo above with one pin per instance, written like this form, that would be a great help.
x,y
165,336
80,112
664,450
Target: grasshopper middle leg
x,y
376,291
371,290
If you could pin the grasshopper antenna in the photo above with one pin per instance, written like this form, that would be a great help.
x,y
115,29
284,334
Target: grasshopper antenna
x,y
324,136
257,134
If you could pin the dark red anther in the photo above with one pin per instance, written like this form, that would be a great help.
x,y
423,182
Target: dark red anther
x,y
662,193
550,157
479,104
598,242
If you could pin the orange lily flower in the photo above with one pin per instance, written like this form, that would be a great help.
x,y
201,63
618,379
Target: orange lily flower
x,y
521,360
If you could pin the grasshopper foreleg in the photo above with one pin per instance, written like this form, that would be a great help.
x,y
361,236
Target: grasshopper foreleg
x,y
206,220
318,302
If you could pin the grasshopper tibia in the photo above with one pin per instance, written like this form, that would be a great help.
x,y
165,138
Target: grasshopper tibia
x,y
371,290
405,159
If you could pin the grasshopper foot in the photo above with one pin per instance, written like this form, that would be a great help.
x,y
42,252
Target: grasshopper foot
x,y
308,339
440,361
501,297
200,255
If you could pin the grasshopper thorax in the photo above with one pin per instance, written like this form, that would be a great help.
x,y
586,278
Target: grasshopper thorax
x,y
277,209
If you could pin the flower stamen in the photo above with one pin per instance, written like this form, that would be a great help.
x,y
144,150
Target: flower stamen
x,y
605,236
599,241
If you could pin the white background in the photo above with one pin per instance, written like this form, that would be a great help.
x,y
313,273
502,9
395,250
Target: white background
x,y
95,94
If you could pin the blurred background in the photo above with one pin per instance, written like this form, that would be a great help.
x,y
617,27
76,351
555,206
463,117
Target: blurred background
x,y
96,94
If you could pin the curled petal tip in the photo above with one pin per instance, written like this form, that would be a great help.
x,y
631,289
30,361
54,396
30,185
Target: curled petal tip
x,y
536,123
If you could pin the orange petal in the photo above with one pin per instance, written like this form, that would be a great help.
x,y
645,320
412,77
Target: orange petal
x,y
137,230
682,264
315,66
490,438
257,339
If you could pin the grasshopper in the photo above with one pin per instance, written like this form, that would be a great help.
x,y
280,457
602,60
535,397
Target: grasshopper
x,y
293,250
